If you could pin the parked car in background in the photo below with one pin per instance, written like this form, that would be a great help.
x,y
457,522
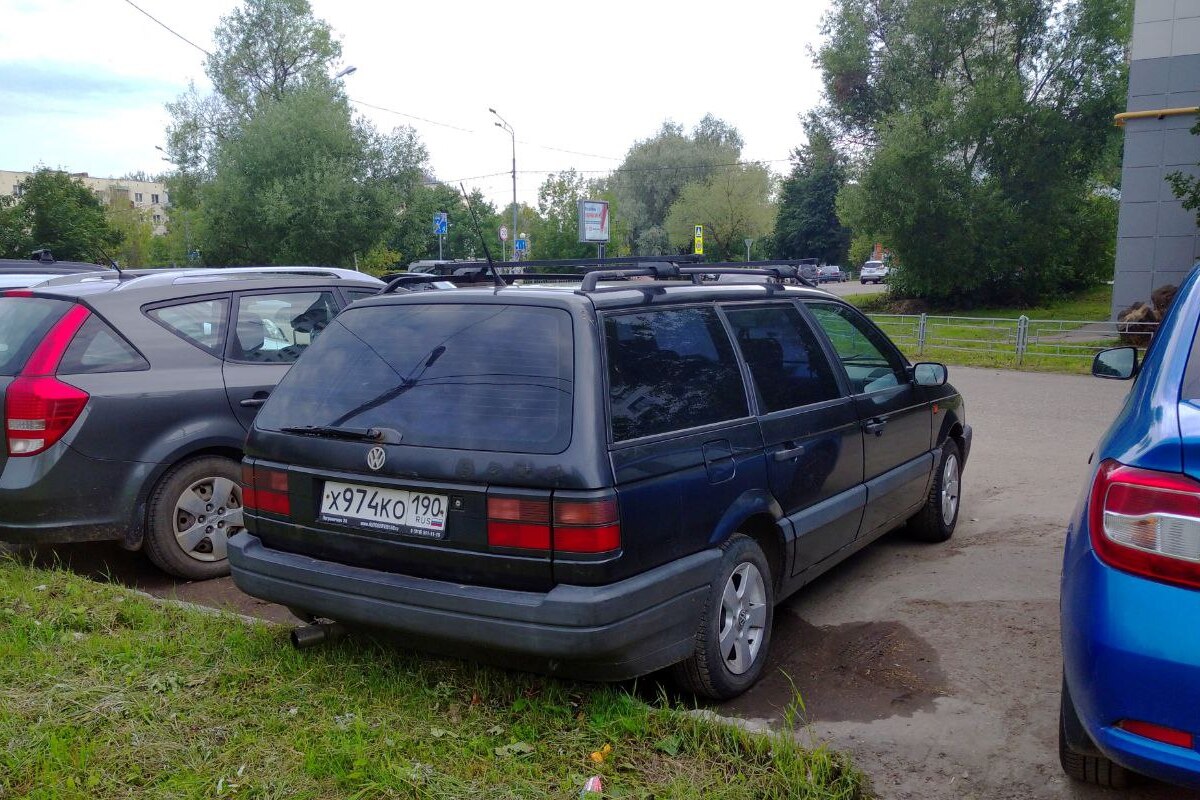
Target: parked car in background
x,y
1130,698
831,274
595,479
126,399
15,273
873,272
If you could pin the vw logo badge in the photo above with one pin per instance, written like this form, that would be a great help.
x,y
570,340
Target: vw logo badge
x,y
375,458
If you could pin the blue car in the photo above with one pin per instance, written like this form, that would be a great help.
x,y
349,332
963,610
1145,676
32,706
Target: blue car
x,y
1131,573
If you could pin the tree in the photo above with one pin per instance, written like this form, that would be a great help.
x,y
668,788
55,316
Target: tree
x,y
808,225
981,129
14,228
64,215
297,186
411,236
137,235
264,50
1187,187
555,232
655,171
732,205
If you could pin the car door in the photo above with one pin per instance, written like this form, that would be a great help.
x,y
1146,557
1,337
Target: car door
x,y
896,418
268,332
810,428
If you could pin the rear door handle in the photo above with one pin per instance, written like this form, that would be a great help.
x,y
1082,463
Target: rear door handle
x,y
875,426
255,401
788,454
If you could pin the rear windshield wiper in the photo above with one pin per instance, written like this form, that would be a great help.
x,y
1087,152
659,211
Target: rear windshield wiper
x,y
386,435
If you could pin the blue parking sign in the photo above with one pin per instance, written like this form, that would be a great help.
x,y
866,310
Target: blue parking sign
x,y
522,244
441,223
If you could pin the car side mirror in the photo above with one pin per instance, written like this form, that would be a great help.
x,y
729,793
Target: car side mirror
x,y
1116,363
930,373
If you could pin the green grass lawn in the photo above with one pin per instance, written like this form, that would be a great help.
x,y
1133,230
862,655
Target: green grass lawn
x,y
104,694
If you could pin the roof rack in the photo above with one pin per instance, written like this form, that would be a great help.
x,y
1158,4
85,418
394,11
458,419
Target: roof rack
x,y
780,270
457,268
399,280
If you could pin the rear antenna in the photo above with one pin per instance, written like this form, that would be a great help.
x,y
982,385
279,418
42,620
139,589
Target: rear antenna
x,y
112,262
497,281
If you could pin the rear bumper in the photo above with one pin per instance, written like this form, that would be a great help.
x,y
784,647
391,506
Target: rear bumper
x,y
63,496
610,632
1128,654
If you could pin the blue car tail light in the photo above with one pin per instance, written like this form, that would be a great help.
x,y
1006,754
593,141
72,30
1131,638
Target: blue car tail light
x,y
1147,522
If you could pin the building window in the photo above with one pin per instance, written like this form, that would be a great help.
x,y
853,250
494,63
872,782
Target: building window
x,y
154,199
158,219
18,190
137,197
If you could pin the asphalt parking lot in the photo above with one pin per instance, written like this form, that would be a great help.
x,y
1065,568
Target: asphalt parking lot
x,y
936,666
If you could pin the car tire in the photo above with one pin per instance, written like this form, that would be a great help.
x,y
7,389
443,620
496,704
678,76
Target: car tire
x,y
193,511
936,520
1092,767
730,649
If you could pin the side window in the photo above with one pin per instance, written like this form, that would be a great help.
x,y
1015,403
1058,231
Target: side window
x,y
98,348
870,360
670,370
786,361
276,328
359,294
201,322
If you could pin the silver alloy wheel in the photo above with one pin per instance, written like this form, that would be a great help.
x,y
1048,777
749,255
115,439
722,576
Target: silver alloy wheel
x,y
743,618
950,488
206,515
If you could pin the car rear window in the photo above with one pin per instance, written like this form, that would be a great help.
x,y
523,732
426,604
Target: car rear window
x,y
474,377
23,323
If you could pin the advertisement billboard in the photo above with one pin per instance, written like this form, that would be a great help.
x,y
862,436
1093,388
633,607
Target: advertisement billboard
x,y
593,221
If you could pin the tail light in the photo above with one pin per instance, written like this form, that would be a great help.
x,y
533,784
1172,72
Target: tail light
x,y
519,522
579,526
39,408
586,526
1147,522
265,489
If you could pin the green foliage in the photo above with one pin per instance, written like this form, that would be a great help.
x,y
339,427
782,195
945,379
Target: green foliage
x,y
58,212
732,205
412,237
1186,187
807,225
656,170
983,128
137,235
555,232
295,187
14,228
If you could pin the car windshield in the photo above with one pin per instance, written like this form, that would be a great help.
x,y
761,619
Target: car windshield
x,y
479,377
23,323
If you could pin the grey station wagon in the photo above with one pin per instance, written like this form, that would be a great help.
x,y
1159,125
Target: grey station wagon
x,y
126,398
597,480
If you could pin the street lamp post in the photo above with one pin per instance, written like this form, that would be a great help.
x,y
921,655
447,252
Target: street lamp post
x,y
504,126
345,71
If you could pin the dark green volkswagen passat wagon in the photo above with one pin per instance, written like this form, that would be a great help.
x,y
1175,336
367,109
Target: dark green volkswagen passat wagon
x,y
598,480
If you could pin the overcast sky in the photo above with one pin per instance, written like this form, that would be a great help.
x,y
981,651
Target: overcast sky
x,y
83,82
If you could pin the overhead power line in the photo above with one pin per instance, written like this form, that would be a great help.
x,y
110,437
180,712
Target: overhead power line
x,y
168,28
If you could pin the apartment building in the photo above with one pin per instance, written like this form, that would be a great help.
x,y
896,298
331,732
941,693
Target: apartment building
x,y
149,196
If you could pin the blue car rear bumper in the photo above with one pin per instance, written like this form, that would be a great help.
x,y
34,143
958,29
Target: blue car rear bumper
x,y
1131,651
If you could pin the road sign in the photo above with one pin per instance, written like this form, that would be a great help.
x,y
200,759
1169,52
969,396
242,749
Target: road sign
x,y
441,223
504,233
699,242
522,244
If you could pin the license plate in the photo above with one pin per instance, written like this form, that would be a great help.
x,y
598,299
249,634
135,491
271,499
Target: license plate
x,y
388,510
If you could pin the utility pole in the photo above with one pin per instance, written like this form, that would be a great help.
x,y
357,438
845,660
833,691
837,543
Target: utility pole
x,y
504,126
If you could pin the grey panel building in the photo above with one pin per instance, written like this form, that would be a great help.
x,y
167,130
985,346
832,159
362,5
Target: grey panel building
x,y
1157,240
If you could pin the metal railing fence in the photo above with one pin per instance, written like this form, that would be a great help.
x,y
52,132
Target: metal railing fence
x,y
1022,338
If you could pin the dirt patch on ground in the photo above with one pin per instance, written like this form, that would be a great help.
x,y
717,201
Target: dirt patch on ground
x,y
859,671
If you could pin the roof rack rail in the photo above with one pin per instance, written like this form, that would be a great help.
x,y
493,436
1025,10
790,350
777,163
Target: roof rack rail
x,y
780,270
398,280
